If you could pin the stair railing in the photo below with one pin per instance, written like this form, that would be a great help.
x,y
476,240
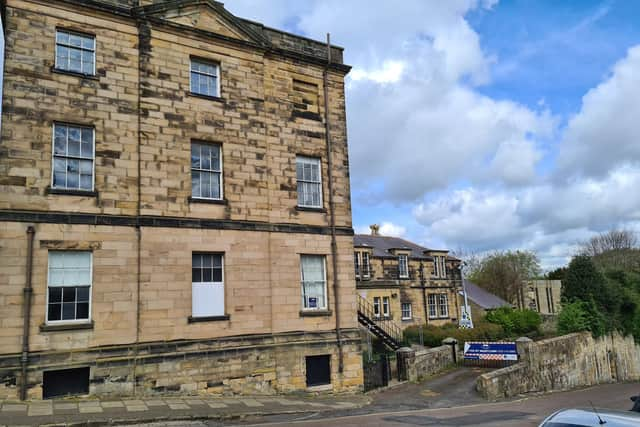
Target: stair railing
x,y
385,324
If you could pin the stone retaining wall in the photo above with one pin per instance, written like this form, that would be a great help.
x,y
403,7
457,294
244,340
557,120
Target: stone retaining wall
x,y
564,363
417,365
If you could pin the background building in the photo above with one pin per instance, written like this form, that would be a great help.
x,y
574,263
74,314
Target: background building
x,y
172,203
405,282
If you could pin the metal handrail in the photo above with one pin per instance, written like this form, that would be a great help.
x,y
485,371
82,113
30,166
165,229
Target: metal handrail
x,y
387,325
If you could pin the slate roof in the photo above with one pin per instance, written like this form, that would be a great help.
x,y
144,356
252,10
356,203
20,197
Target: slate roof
x,y
483,298
382,246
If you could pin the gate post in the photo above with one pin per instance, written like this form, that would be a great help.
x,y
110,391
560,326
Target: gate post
x,y
454,351
405,358
523,347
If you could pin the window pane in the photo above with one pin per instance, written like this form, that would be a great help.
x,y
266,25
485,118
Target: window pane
x,y
62,37
215,185
195,82
195,156
75,60
299,168
82,294
55,294
215,158
196,275
69,311
60,140
87,62
196,260
217,275
207,274
54,312
74,141
88,43
87,142
68,294
59,172
75,40
73,173
205,158
82,310
205,184
217,261
86,167
195,184
86,182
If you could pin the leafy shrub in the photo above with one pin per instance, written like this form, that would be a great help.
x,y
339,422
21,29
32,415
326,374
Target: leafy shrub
x,y
518,322
433,335
582,316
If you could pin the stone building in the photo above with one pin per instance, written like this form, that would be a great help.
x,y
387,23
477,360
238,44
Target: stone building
x,y
405,282
174,204
542,295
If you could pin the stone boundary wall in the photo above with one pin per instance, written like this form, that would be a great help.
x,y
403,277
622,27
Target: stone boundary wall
x,y
417,365
261,364
564,363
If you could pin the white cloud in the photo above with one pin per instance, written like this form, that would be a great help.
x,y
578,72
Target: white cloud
x,y
605,133
390,72
420,130
386,229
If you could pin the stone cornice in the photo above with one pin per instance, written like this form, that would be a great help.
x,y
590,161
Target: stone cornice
x,y
165,221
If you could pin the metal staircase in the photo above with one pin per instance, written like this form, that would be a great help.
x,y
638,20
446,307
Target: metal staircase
x,y
385,329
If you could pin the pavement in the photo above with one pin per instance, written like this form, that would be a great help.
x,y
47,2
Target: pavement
x,y
93,412
448,399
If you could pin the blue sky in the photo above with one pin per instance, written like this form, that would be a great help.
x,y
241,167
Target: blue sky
x,y
483,125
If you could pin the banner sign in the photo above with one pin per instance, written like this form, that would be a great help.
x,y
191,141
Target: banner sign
x,y
490,351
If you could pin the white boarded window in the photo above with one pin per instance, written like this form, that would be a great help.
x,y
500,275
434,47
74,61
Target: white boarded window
x,y
73,157
406,311
75,52
69,286
314,282
206,171
205,78
309,182
207,281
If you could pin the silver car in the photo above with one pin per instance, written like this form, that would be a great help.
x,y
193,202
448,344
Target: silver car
x,y
589,417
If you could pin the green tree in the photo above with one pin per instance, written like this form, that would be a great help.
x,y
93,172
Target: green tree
x,y
503,273
583,281
581,316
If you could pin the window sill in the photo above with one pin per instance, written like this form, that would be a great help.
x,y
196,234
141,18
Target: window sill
x,y
208,97
407,319
75,74
192,319
66,326
207,201
70,192
315,313
305,209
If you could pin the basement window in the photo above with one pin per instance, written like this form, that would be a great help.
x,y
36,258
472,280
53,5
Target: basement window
x,y
318,370
65,382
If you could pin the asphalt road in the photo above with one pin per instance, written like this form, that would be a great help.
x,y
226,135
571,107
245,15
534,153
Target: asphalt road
x,y
520,413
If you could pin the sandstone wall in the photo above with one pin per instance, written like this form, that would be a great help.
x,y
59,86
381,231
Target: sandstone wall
x,y
417,365
564,363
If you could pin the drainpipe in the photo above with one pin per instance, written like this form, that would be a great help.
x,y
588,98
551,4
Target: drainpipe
x,y
27,293
334,245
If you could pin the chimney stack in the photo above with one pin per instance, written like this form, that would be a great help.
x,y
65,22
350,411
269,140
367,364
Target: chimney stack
x,y
375,229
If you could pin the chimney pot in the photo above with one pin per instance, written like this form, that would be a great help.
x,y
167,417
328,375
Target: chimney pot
x,y
375,229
